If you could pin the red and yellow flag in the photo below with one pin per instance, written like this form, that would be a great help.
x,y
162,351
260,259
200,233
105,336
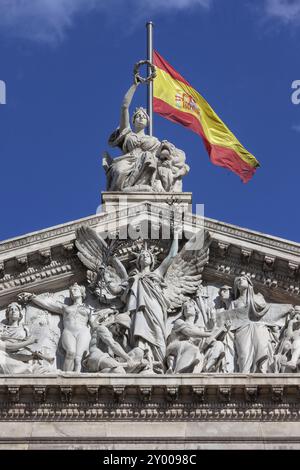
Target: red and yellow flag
x,y
175,99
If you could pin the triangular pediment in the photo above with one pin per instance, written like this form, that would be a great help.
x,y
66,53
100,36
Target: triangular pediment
x,y
47,259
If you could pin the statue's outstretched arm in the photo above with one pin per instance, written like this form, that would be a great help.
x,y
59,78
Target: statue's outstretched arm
x,y
124,120
44,302
49,304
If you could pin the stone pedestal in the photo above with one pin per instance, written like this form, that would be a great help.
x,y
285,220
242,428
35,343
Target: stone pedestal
x,y
120,200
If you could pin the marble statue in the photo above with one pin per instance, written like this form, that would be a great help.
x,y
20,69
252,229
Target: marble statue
x,y
16,356
253,324
12,328
76,317
252,335
293,334
288,352
106,352
190,349
146,164
104,348
148,292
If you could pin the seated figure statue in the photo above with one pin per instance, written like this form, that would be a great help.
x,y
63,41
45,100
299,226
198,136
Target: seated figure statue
x,y
190,348
106,353
146,163
15,355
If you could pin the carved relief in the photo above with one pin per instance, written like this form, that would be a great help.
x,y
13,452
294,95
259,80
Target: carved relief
x,y
151,313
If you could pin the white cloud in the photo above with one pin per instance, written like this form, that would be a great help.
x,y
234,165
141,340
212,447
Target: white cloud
x,y
49,20
287,11
179,4
41,20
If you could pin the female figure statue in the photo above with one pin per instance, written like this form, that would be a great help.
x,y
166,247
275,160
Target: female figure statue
x,y
146,302
14,341
146,164
148,293
138,165
252,331
12,328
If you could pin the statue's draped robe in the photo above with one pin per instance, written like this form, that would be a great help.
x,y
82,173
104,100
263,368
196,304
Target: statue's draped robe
x,y
149,312
251,326
14,334
138,165
11,362
252,344
9,365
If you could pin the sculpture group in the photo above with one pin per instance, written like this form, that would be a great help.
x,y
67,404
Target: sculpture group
x,y
146,164
154,317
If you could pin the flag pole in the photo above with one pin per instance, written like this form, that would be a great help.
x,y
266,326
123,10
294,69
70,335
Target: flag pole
x,y
149,26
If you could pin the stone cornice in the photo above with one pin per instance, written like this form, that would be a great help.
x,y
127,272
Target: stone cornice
x,y
205,397
257,238
217,227
47,235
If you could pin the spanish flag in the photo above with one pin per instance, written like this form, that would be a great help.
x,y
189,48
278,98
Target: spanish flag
x,y
175,99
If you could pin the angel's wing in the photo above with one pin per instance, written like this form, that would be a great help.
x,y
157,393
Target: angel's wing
x,y
95,253
185,272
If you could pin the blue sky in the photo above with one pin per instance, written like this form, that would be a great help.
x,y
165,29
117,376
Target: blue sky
x,y
68,63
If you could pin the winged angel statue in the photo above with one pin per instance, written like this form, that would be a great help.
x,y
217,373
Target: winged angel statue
x,y
147,293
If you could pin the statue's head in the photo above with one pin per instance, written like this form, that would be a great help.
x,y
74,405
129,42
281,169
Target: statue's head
x,y
140,119
296,313
189,309
145,258
166,150
121,324
13,313
77,292
241,283
225,292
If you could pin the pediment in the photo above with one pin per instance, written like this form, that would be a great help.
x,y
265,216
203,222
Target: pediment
x,y
47,259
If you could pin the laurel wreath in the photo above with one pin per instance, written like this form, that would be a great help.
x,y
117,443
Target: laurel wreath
x,y
138,76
